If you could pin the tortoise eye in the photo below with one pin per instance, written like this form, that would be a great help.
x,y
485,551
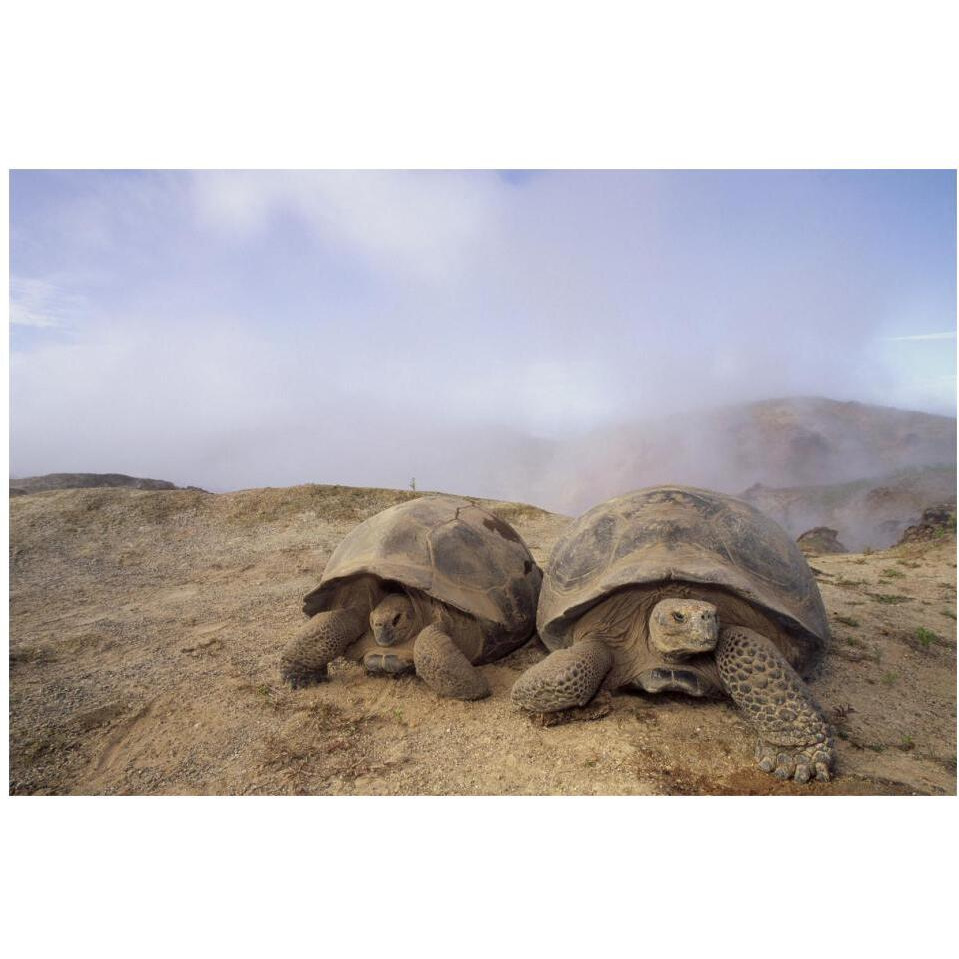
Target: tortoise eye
x,y
679,617
396,619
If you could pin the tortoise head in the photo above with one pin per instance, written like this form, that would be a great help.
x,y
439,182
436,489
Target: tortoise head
x,y
683,627
393,620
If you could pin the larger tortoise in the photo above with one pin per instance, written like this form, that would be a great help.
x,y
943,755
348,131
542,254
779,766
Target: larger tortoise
x,y
683,589
437,585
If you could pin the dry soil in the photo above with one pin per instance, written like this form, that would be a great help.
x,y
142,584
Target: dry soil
x,y
146,628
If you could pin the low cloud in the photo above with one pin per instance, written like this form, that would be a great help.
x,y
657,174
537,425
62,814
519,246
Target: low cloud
x,y
243,329
948,335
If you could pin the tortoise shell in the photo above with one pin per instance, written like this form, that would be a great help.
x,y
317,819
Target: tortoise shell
x,y
452,550
680,534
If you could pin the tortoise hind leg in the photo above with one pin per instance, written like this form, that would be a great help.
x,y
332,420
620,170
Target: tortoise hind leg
x,y
318,642
566,678
442,666
794,739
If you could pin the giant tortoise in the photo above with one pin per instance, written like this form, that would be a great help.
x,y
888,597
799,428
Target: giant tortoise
x,y
436,584
683,589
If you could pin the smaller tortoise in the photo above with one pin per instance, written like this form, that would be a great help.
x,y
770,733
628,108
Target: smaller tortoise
x,y
436,585
682,589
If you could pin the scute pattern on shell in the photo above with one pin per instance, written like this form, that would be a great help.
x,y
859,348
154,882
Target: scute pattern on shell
x,y
677,533
451,549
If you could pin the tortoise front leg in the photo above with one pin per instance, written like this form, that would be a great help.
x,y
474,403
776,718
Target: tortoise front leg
x,y
565,679
794,739
388,664
442,666
318,642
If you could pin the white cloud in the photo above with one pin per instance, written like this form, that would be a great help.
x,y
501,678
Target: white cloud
x,y
427,225
40,303
948,335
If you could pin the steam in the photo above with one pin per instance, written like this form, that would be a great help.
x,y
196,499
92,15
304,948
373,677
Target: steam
x,y
556,340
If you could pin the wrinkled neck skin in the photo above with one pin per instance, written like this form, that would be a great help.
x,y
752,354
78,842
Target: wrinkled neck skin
x,y
622,621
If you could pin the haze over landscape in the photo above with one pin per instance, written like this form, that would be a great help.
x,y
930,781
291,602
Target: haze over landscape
x,y
553,337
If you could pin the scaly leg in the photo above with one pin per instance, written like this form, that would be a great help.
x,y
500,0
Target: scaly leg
x,y
322,639
794,739
442,666
566,678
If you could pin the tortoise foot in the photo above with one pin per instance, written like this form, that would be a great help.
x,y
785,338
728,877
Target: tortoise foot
x,y
299,677
801,763
387,664
599,706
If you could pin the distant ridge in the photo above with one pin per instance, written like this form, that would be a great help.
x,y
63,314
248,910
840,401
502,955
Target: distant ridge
x,y
780,443
871,512
50,481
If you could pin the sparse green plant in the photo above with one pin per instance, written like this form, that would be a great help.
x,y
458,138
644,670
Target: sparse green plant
x,y
907,743
891,599
859,562
877,747
926,637
892,573
847,620
951,613
889,679
908,563
855,641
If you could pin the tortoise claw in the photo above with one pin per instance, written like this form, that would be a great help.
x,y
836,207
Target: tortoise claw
x,y
800,763
299,678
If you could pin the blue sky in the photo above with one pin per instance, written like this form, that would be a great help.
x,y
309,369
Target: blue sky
x,y
237,329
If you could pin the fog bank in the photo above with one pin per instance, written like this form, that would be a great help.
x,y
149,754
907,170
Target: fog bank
x,y
530,338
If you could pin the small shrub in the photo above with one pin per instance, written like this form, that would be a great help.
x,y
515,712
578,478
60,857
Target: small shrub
x,y
892,573
890,599
926,637
907,743
847,620
889,679
951,613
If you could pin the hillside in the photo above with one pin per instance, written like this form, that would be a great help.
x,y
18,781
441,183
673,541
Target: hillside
x,y
867,512
146,628
792,448
37,484
786,443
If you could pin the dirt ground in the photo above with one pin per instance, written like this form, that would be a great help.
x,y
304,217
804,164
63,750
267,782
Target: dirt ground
x,y
146,628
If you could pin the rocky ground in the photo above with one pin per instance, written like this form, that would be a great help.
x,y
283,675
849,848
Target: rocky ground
x,y
146,628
